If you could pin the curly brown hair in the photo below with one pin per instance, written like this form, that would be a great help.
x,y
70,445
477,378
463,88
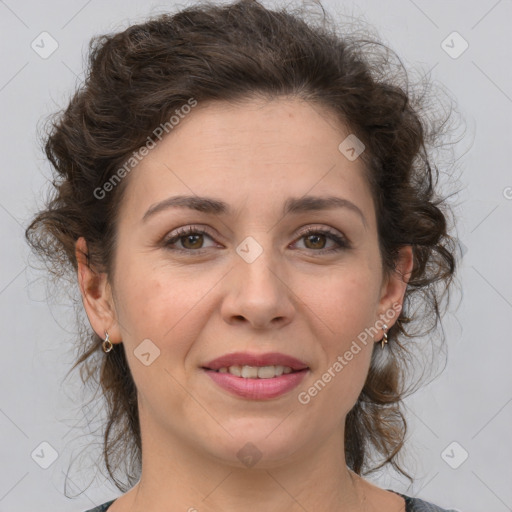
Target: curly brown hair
x,y
137,78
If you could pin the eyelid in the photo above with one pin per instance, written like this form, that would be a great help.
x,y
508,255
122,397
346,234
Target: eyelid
x,y
319,228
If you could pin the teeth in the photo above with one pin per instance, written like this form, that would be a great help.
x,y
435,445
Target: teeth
x,y
235,370
256,372
249,372
279,370
267,372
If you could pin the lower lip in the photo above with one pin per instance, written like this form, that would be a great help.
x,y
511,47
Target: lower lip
x,y
257,389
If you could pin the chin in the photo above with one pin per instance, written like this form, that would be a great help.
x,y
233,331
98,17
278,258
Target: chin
x,y
258,443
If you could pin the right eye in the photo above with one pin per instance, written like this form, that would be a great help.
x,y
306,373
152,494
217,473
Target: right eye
x,y
190,237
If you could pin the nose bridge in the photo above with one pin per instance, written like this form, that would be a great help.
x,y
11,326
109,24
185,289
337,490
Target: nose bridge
x,y
257,289
259,266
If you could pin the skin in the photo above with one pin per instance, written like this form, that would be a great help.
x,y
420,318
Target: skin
x,y
291,299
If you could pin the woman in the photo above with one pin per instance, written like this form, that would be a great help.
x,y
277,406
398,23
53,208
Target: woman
x,y
250,212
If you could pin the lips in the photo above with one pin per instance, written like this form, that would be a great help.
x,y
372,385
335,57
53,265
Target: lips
x,y
246,359
288,372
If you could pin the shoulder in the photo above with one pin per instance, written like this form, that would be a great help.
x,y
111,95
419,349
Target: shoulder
x,y
418,505
101,508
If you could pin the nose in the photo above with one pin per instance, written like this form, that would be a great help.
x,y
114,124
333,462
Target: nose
x,y
257,294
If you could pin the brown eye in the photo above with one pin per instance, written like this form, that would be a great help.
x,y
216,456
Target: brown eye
x,y
191,239
316,241
195,241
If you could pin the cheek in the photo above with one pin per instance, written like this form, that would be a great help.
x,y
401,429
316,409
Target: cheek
x,y
157,304
345,308
162,303
345,300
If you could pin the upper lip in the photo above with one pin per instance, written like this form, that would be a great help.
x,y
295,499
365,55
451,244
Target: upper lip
x,y
244,358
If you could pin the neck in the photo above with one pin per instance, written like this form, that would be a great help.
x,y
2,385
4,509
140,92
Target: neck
x,y
182,475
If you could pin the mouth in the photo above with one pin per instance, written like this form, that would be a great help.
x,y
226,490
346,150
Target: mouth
x,y
252,366
256,376
256,372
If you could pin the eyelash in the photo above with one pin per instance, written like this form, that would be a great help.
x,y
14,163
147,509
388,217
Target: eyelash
x,y
342,242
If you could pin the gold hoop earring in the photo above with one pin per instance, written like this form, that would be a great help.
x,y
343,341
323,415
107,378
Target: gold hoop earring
x,y
384,339
107,344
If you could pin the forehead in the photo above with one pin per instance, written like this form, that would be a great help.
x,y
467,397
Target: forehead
x,y
255,154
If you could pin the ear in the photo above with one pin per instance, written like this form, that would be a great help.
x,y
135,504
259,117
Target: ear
x,y
394,286
96,295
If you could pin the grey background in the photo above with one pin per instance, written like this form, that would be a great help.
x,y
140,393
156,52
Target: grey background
x,y
470,403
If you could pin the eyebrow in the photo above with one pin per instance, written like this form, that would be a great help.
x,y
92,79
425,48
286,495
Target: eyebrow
x,y
217,207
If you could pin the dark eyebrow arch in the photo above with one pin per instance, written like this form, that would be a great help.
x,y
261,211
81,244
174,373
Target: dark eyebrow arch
x,y
316,203
217,207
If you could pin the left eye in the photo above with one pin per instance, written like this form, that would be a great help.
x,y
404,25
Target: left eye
x,y
315,236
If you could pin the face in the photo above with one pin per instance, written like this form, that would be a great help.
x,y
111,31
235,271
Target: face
x,y
247,277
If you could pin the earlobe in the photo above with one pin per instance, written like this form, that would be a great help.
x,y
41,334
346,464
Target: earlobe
x,y
96,294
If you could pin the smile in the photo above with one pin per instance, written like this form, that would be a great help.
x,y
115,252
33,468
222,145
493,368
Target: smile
x,y
256,372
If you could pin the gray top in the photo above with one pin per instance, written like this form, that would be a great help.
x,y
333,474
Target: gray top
x,y
411,505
